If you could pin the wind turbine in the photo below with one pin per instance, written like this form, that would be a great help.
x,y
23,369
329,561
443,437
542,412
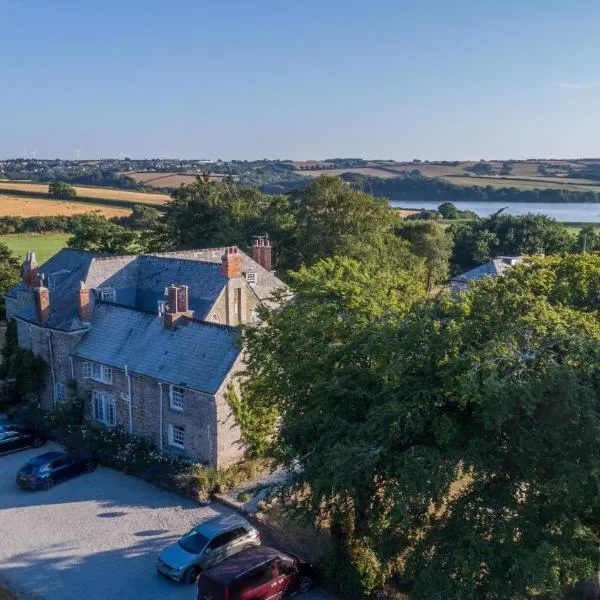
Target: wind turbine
x,y
77,154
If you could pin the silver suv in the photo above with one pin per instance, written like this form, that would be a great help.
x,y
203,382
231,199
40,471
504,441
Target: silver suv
x,y
207,544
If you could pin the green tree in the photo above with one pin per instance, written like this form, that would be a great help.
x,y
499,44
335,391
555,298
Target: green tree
x,y
96,233
430,241
476,242
455,443
10,272
58,189
448,210
588,239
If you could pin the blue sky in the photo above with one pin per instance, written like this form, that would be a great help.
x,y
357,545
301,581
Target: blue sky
x,y
402,79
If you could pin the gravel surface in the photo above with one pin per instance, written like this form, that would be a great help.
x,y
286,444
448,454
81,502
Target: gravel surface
x,y
93,537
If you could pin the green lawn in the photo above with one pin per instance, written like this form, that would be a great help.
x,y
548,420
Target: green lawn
x,y
523,184
44,245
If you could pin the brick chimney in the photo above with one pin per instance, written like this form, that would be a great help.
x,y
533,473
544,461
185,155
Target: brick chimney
x,y
231,262
41,296
84,304
177,305
261,251
30,271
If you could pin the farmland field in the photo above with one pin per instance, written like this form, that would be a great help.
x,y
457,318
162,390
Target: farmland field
x,y
372,171
171,180
44,245
102,193
11,206
524,184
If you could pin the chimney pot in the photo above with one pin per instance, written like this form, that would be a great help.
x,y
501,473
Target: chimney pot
x,y
30,271
261,252
231,262
84,304
42,304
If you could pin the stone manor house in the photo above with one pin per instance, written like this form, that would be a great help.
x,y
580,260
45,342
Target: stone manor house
x,y
151,341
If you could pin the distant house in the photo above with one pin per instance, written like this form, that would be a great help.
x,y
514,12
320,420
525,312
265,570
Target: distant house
x,y
493,268
152,341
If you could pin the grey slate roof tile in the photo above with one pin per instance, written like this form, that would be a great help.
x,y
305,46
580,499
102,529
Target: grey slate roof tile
x,y
193,354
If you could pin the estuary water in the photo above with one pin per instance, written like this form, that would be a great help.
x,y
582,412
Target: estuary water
x,y
577,212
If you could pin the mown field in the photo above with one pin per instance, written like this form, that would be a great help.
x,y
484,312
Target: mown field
x,y
171,180
89,192
44,245
15,206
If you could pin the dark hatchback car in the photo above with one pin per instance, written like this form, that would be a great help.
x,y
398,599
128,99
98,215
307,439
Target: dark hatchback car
x,y
259,573
45,470
13,438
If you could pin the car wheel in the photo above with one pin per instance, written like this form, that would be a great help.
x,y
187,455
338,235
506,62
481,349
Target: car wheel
x,y
90,466
49,483
305,584
191,575
37,443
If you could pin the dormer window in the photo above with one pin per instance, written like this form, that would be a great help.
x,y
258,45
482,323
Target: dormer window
x,y
57,277
108,295
251,278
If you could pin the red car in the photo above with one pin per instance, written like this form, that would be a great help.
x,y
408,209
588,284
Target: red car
x,y
259,573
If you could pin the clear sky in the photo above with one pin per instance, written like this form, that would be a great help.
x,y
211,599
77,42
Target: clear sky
x,y
402,79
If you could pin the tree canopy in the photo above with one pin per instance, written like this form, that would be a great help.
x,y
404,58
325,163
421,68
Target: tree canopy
x,y
58,189
98,234
452,443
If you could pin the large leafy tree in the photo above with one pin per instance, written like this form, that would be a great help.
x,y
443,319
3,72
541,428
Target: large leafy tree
x,y
456,443
430,241
96,233
476,241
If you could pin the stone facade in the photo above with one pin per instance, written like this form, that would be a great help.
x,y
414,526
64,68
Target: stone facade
x,y
224,285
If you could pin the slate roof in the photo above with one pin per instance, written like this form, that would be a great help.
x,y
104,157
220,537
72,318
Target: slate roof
x,y
75,265
493,268
195,355
266,282
139,281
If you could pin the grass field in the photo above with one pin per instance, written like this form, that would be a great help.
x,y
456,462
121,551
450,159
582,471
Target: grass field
x,y
171,180
44,245
13,206
102,193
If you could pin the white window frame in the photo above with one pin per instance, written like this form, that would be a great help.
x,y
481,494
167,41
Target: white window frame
x,y
108,294
60,392
176,397
177,436
105,408
97,372
251,278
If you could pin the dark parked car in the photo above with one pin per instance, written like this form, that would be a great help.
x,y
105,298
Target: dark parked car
x,y
13,438
259,573
43,471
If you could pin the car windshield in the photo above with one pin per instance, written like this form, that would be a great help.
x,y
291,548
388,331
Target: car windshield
x,y
193,542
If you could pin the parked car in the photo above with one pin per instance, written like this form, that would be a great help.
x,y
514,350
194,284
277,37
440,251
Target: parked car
x,y
205,545
13,438
45,470
260,573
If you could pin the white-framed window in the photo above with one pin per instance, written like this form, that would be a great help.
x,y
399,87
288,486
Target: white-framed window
x,y
175,397
251,278
60,393
98,372
87,370
55,278
108,295
177,435
104,408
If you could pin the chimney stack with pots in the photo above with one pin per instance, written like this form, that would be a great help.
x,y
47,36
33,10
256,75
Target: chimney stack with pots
x,y
84,304
177,305
261,251
30,271
41,296
231,262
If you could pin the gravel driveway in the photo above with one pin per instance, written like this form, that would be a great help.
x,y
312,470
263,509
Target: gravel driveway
x,y
93,537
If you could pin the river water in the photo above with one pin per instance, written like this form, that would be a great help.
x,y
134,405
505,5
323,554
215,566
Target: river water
x,y
577,212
